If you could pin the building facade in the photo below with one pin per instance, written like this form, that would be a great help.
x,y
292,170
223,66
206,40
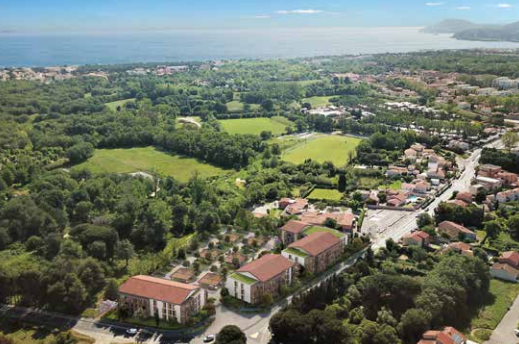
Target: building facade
x,y
172,301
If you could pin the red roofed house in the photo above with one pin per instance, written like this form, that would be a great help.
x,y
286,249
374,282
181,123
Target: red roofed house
x,y
264,275
465,197
511,258
417,238
293,231
297,206
454,231
449,335
504,272
316,252
169,299
345,220
460,247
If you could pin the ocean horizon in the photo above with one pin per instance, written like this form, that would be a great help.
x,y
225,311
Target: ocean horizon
x,y
76,48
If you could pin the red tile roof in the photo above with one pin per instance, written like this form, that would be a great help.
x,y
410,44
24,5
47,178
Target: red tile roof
x,y
267,267
511,256
452,229
157,288
316,243
294,226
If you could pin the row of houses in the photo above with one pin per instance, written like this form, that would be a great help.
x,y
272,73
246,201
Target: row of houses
x,y
311,248
447,230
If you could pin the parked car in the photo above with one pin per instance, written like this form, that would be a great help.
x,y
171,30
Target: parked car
x,y
516,331
209,338
132,331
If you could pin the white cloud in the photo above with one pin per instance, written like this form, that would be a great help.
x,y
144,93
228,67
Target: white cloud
x,y
504,5
300,11
463,8
431,4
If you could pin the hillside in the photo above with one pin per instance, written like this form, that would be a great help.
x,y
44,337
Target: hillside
x,y
451,26
466,30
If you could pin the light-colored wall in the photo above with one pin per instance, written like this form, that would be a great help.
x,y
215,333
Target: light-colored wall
x,y
501,274
294,258
236,291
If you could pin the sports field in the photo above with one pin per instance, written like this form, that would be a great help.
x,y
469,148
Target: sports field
x,y
237,106
328,194
147,159
276,125
317,101
113,105
321,148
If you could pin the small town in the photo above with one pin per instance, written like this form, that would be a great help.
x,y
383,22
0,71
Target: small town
x,y
355,199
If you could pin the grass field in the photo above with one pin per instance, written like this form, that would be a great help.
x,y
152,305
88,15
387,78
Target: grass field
x,y
501,296
328,194
237,106
27,334
317,101
147,159
369,182
276,125
317,229
113,105
321,148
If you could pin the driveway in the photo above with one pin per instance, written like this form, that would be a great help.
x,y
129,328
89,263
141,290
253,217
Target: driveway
x,y
504,332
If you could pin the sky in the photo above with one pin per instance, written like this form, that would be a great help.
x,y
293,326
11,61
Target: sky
x,y
129,15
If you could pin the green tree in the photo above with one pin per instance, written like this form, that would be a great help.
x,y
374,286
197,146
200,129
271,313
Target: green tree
x,y
231,334
111,290
510,139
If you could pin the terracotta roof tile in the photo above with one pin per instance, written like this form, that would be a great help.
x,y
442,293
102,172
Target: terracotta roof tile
x,y
267,267
294,226
316,243
157,288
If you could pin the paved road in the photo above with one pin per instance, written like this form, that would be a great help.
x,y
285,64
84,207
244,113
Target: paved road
x,y
504,332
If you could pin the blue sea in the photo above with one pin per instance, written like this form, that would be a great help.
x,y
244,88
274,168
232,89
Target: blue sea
x,y
199,45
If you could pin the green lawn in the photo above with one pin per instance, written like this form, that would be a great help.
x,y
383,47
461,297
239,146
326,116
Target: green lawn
x,y
317,101
147,159
495,305
243,278
237,106
328,194
113,105
396,185
276,125
369,182
317,229
321,148
27,334
296,252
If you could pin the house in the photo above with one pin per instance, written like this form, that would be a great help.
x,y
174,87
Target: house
x,y
393,171
183,275
168,299
210,281
507,178
465,197
235,257
449,335
489,184
209,254
292,231
454,231
417,238
410,154
476,189
396,199
264,275
489,170
345,220
508,195
296,207
504,272
511,258
459,247
316,252
421,187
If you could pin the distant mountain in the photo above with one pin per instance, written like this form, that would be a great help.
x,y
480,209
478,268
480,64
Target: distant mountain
x,y
466,30
452,26
509,33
